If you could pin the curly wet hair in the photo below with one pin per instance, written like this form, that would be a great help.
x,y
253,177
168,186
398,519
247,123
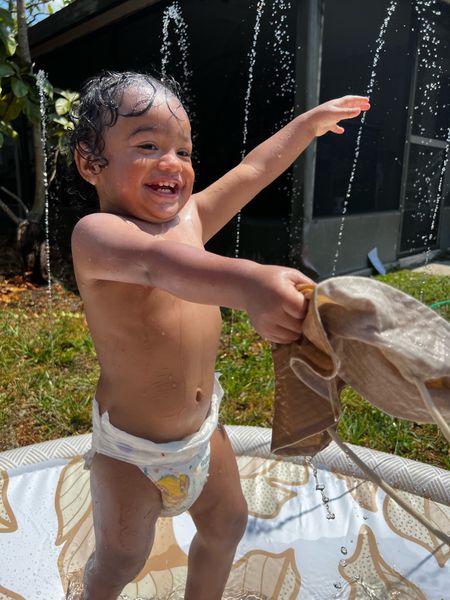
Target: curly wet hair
x,y
99,108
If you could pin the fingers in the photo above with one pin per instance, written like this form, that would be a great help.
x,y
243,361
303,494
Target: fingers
x,y
337,129
299,278
351,106
354,101
295,304
290,323
349,113
307,289
280,335
295,307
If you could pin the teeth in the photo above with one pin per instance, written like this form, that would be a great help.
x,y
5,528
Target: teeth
x,y
167,184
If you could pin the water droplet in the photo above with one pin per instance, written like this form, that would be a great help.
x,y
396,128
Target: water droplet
x,y
343,550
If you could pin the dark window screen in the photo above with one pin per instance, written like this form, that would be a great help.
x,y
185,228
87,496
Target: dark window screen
x,y
351,28
432,99
422,200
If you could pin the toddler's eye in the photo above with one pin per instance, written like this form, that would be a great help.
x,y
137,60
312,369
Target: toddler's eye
x,y
184,153
148,146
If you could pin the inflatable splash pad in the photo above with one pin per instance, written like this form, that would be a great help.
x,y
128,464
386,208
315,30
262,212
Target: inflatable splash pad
x,y
317,529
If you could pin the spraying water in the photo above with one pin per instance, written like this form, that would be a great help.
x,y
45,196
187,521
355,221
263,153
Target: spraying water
x,y
428,63
438,199
173,14
41,87
427,14
247,103
321,489
428,92
380,42
283,80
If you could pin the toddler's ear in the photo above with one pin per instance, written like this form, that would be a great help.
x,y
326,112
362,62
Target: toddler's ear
x,y
86,167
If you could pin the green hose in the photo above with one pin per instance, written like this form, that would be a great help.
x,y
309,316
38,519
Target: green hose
x,y
441,303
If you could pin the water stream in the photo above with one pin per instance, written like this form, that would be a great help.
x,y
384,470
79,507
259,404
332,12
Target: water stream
x,y
428,93
428,56
247,104
173,14
41,79
379,44
437,203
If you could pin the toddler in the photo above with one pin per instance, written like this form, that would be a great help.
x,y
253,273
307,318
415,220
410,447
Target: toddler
x,y
152,295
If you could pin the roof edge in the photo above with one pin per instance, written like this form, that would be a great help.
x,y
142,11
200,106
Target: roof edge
x,y
79,19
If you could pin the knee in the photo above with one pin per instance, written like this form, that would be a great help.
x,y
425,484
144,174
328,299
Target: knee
x,y
228,526
121,565
239,522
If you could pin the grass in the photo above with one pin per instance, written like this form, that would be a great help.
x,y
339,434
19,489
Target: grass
x,y
49,372
48,366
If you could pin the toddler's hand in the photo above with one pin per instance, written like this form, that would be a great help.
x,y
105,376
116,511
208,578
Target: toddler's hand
x,y
325,117
275,307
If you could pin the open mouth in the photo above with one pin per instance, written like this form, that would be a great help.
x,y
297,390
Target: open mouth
x,y
167,188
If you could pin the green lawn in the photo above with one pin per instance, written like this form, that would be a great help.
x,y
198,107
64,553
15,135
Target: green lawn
x,y
49,372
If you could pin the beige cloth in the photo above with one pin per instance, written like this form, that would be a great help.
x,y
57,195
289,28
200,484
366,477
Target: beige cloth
x,y
366,334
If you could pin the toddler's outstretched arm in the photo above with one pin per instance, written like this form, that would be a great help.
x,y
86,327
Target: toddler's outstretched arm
x,y
218,203
106,248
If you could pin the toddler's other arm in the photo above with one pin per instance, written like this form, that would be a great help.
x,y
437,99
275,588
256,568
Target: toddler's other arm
x,y
219,202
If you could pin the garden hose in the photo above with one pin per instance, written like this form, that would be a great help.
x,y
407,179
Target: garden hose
x,y
441,303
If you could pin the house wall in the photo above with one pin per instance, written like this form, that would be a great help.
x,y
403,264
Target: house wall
x,y
360,235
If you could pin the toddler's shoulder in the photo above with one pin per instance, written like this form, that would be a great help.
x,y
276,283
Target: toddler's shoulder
x,y
100,227
98,220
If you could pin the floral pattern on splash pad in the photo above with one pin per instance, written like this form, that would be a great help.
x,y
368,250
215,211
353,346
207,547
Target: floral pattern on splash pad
x,y
290,550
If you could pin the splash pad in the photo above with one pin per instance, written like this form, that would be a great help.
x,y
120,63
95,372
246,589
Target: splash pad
x,y
317,529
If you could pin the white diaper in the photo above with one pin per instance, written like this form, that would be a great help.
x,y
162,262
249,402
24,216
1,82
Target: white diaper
x,y
179,469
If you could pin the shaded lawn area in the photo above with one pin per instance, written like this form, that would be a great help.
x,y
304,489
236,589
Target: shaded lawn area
x,y
49,372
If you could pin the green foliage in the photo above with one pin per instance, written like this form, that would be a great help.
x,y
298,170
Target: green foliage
x,y
7,36
19,93
60,116
6,70
65,106
58,369
425,287
39,8
245,361
10,76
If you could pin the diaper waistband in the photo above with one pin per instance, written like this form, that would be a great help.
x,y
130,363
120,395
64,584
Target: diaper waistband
x,y
111,441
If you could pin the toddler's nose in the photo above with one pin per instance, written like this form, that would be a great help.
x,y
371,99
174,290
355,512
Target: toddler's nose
x,y
170,162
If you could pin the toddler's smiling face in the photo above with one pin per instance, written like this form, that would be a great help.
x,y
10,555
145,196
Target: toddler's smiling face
x,y
149,174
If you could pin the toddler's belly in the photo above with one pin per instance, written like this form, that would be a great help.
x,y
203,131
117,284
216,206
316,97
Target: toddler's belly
x,y
157,414
158,384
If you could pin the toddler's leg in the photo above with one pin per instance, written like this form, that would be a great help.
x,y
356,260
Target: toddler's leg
x,y
220,515
125,506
